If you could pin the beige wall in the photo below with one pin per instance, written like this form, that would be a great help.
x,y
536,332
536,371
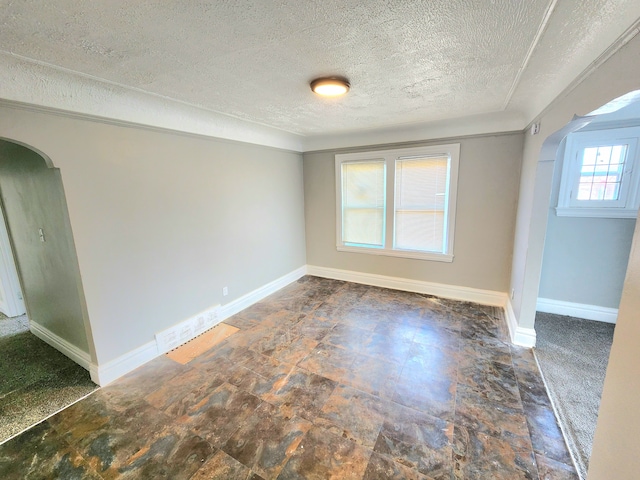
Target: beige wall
x,y
616,443
163,221
487,193
33,199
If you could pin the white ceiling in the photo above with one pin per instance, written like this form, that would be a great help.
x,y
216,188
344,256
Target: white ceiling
x,y
409,62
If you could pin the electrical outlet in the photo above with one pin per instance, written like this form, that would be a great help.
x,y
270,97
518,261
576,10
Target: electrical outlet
x,y
225,291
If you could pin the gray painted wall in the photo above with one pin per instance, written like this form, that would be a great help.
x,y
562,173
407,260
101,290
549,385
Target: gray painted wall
x,y
585,259
33,198
485,219
163,221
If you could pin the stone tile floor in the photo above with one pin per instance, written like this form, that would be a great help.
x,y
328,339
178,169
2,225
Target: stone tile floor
x,y
325,379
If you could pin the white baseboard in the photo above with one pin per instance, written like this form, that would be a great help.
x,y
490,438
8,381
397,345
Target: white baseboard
x,y
525,337
485,297
79,356
578,310
258,294
108,372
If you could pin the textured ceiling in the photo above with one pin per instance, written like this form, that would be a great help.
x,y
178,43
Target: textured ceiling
x,y
408,61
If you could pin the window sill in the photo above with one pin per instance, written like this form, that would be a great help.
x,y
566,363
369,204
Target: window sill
x,y
596,212
435,257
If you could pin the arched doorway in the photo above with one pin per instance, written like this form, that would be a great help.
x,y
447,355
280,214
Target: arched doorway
x,y
38,379
619,113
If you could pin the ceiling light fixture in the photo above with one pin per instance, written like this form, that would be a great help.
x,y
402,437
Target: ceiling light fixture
x,y
330,86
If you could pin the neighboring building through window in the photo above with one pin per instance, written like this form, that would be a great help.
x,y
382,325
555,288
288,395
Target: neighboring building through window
x,y
598,174
398,202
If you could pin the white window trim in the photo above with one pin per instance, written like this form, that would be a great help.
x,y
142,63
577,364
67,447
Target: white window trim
x,y
627,206
390,156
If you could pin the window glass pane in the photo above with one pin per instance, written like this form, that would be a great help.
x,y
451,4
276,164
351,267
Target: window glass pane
x,y
420,207
363,203
601,172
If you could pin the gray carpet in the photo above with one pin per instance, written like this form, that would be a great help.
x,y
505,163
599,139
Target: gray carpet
x,y
35,379
573,355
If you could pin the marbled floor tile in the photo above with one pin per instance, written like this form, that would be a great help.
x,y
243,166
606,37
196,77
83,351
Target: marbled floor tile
x,y
418,441
295,351
302,303
243,321
439,336
282,345
523,358
489,349
249,381
282,319
353,414
217,416
186,383
267,367
223,358
41,453
329,311
299,393
346,296
266,440
480,328
477,413
140,442
348,336
552,470
546,436
532,388
329,361
388,349
222,466
396,331
383,468
322,455
434,396
427,361
494,381
312,327
362,316
478,456
144,380
372,375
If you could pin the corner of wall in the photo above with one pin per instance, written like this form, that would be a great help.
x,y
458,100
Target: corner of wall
x,y
524,337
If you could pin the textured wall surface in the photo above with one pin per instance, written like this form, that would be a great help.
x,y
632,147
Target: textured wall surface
x,y
488,179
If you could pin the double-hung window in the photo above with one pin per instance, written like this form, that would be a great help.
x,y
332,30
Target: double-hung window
x,y
398,202
599,177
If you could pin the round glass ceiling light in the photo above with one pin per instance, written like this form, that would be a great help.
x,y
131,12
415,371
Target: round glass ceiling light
x,y
330,87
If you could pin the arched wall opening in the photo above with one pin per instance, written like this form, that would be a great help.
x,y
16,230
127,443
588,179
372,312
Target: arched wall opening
x,y
33,202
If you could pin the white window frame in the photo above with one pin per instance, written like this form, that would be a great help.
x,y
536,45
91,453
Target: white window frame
x,y
626,206
452,151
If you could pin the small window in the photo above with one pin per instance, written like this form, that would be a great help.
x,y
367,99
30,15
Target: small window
x,y
598,178
398,202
